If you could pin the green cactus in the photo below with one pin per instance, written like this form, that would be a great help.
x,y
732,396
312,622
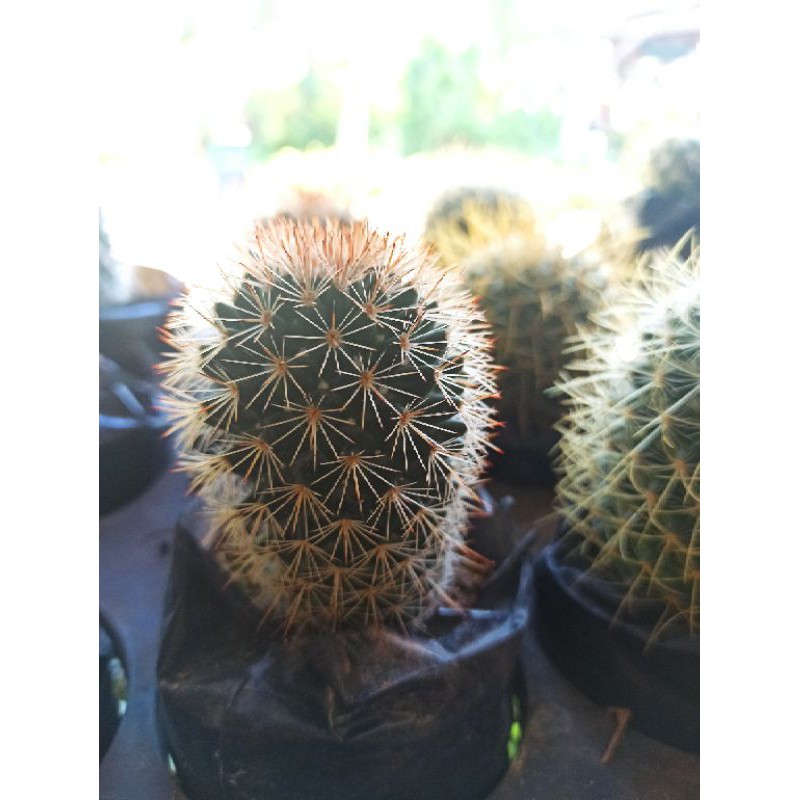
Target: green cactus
x,y
332,416
670,204
630,447
533,298
466,219
673,169
301,203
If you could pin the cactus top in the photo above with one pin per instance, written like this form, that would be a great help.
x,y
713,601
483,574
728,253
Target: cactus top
x,y
674,168
630,446
533,297
301,203
331,411
465,221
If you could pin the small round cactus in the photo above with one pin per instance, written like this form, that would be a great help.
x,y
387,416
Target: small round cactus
x,y
465,220
674,169
533,298
670,204
308,204
332,415
630,447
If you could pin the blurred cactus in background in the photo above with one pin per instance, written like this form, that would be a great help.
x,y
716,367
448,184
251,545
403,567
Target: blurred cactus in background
x,y
464,220
533,298
674,168
670,205
304,204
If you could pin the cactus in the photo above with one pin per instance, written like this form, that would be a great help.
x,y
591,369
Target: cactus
x,y
465,220
533,298
332,415
307,204
630,447
670,205
674,169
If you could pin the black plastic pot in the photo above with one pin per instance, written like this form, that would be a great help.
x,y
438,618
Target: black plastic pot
x,y
614,662
129,334
347,715
133,453
564,732
525,460
133,450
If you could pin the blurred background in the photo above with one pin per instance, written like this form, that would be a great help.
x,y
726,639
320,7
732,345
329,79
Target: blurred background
x,y
211,113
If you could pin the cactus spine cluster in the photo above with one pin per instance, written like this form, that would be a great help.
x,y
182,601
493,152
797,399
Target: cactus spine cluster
x,y
533,298
630,447
333,417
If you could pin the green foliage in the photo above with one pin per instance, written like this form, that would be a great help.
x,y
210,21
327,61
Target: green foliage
x,y
304,115
445,102
333,418
630,447
535,132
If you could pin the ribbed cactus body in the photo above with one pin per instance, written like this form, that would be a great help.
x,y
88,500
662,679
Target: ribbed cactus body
x,y
334,419
533,298
535,301
630,446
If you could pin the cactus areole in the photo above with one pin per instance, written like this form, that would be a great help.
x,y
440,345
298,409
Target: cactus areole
x,y
330,408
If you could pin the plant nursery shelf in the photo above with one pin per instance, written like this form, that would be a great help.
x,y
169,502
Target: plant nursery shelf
x,y
565,735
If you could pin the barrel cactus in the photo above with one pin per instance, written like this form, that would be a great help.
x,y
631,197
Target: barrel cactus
x,y
630,448
674,169
670,204
465,220
331,411
301,203
533,298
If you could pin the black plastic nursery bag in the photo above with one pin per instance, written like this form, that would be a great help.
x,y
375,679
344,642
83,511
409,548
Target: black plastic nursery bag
x,y
341,716
615,662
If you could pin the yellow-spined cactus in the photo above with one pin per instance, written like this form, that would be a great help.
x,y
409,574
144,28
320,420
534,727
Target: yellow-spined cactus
x,y
630,446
